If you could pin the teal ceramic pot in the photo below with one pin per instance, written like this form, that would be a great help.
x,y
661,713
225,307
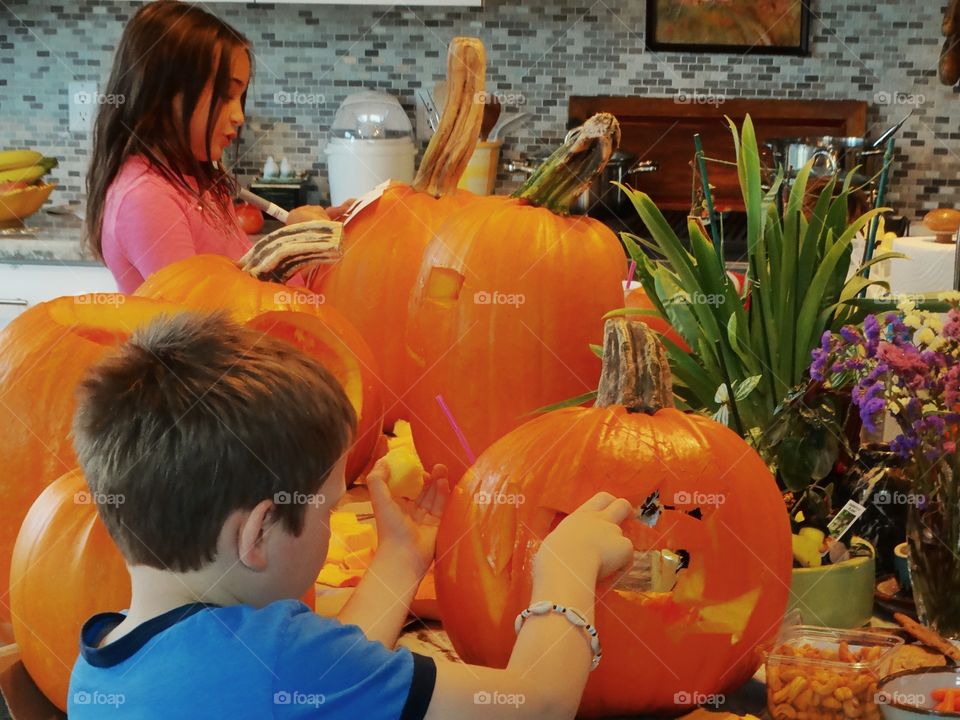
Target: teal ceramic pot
x,y
839,596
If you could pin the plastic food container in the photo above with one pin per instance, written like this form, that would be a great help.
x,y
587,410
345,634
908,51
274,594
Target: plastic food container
x,y
818,673
371,141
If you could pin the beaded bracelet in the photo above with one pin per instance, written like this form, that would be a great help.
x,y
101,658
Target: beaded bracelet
x,y
545,606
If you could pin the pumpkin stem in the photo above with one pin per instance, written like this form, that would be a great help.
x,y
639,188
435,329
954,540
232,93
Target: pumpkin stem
x,y
635,373
568,172
453,143
280,255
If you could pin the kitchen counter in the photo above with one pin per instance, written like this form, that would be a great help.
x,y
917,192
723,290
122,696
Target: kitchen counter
x,y
45,239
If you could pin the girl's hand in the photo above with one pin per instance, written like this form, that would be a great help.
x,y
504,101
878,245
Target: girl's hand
x,y
305,213
407,527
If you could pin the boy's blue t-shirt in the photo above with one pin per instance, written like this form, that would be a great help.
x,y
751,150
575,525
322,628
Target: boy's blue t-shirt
x,y
281,661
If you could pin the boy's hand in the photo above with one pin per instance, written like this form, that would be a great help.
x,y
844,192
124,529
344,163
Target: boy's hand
x,y
591,534
405,526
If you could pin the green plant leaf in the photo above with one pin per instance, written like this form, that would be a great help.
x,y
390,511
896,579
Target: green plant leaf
x,y
568,403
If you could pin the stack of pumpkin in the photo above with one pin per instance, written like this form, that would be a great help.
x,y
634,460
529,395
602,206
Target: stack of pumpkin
x,y
490,305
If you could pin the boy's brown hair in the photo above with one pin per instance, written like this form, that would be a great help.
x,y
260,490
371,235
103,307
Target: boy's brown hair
x,y
195,417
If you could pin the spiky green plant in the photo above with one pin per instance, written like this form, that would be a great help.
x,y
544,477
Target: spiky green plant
x,y
745,360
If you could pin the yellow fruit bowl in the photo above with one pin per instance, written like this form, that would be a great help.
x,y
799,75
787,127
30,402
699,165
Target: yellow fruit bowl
x,y
22,203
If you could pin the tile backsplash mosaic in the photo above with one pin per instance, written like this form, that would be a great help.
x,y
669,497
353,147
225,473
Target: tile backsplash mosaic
x,y
309,57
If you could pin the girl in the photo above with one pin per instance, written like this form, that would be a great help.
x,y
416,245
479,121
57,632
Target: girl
x,y
155,190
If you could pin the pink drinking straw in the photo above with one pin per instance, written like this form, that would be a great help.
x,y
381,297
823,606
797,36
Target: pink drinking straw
x,y
631,272
456,429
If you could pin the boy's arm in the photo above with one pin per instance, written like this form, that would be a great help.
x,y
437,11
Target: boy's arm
x,y
550,661
380,603
407,534
551,658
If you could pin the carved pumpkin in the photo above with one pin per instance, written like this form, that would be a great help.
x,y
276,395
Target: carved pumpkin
x,y
384,243
717,502
65,568
247,289
46,351
511,293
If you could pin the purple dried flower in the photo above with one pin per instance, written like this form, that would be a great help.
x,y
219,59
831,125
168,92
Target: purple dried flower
x,y
850,334
871,330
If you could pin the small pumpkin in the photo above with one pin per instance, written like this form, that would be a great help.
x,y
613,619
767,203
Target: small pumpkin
x,y
510,294
254,286
709,495
383,244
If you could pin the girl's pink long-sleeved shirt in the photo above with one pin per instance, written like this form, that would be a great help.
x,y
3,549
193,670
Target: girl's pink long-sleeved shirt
x,y
148,223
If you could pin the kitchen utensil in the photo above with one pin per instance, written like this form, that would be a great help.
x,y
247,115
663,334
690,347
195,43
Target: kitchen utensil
x,y
433,117
622,168
491,113
480,175
830,155
268,207
889,132
507,121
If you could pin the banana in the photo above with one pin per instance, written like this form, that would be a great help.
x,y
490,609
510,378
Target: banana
x,y
25,174
29,173
13,159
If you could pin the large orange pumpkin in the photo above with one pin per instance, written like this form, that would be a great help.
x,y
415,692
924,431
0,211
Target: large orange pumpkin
x,y
46,351
510,294
718,503
65,568
384,243
214,282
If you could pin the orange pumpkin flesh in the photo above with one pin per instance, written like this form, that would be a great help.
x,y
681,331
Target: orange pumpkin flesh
x,y
385,241
509,297
213,282
699,637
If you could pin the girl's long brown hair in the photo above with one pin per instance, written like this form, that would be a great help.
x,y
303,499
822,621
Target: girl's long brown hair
x,y
168,49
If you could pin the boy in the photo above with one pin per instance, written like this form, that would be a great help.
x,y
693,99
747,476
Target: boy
x,y
201,425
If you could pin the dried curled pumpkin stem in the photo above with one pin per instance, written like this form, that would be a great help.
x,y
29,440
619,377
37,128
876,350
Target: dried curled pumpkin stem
x,y
456,138
636,373
280,255
563,176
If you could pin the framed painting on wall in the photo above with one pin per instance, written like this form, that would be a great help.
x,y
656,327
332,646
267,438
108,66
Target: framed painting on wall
x,y
771,27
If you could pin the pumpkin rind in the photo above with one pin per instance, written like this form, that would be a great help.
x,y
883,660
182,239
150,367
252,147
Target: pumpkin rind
x,y
701,637
65,568
384,243
213,282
